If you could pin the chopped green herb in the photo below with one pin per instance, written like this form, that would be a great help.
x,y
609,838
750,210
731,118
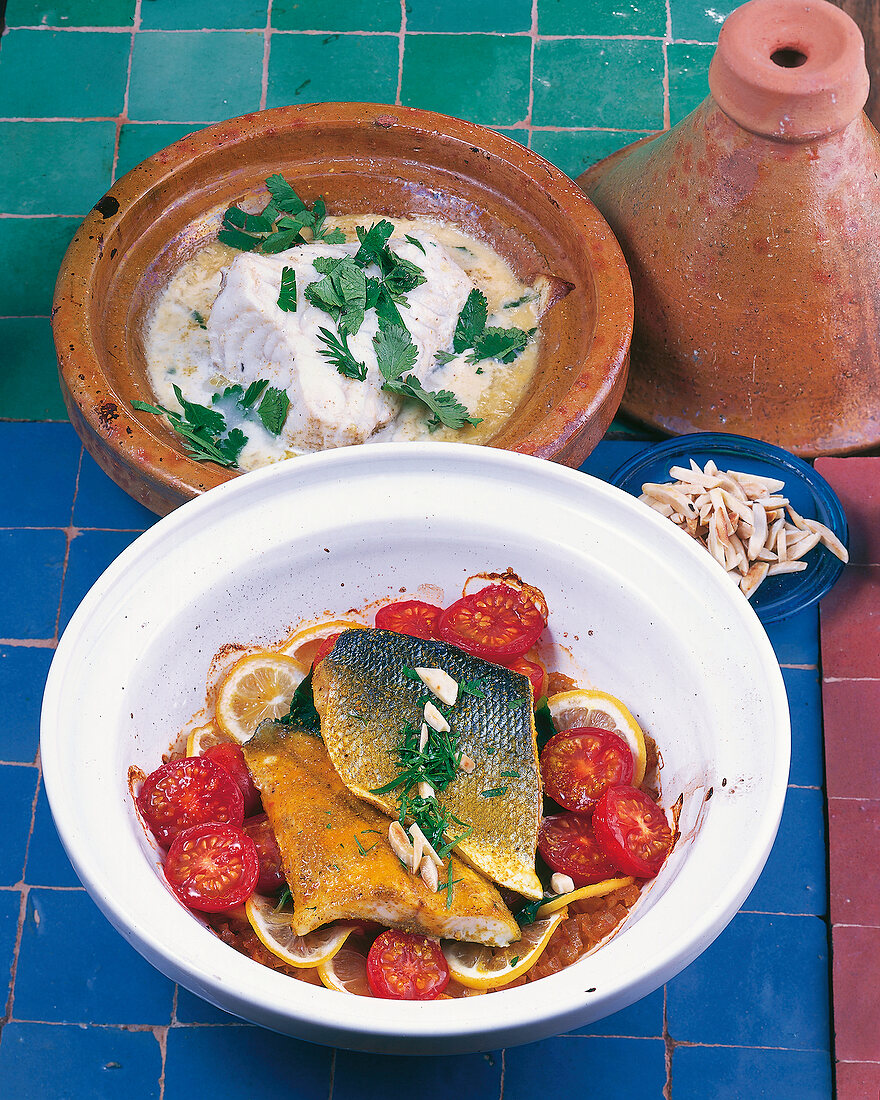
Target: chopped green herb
x,y
279,225
415,241
395,351
411,674
473,687
491,750
479,370
444,357
372,242
543,723
342,293
254,390
203,430
527,297
283,898
529,912
444,406
354,714
447,887
340,355
509,775
287,296
198,318
471,321
495,792
514,960
515,704
273,410
363,851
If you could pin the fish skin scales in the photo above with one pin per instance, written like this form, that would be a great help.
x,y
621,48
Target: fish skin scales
x,y
337,859
364,700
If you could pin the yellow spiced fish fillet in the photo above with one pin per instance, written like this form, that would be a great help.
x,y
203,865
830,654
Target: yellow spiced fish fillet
x,y
337,859
365,698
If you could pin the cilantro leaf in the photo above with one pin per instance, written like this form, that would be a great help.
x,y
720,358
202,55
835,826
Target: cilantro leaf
x,y
342,293
200,442
200,416
287,295
252,392
231,446
243,242
444,406
500,343
444,357
544,727
340,355
372,242
471,321
334,236
415,241
283,195
402,277
273,410
395,351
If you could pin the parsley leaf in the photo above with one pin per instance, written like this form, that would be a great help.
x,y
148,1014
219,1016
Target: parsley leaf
x,y
415,241
251,393
395,351
287,295
342,293
279,225
201,429
500,343
444,406
471,321
340,355
273,410
373,242
444,357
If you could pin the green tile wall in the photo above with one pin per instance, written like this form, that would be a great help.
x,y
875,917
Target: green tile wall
x,y
89,88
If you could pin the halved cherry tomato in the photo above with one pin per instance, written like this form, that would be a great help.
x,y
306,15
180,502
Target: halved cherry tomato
x,y
578,766
271,874
187,792
413,617
567,844
212,867
496,623
405,967
536,673
632,831
231,758
324,648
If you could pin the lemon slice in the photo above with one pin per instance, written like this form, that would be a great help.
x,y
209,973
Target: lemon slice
x,y
203,737
257,687
302,646
480,967
346,972
587,707
595,890
273,930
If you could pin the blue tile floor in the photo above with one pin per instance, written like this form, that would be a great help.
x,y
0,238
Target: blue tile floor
x,y
87,1017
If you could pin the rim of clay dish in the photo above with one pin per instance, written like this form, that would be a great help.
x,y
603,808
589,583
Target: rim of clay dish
x,y
138,450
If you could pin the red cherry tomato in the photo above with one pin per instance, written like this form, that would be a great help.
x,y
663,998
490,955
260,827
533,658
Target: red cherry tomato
x,y
567,844
496,623
187,792
230,757
413,617
578,766
406,967
632,831
212,867
271,874
536,673
324,648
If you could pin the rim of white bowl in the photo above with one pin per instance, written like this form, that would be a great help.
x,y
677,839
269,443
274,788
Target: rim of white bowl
x,y
180,944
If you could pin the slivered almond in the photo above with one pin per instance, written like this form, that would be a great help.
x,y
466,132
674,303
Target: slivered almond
x,y
425,790
756,574
423,737
440,683
422,845
467,765
786,567
428,872
561,884
435,719
400,843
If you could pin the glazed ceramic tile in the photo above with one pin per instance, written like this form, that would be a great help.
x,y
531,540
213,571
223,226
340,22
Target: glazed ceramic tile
x,y
802,685
699,20
137,141
856,980
225,75
70,13
18,785
90,554
47,862
734,1072
642,1020
101,503
23,671
463,15
42,462
639,17
10,907
794,878
857,483
70,160
481,77
41,74
555,1067
31,565
306,68
75,967
29,384
577,80
575,150
350,15
32,250
42,1060
688,78
854,835
851,625
372,1076
172,15
852,747
222,1060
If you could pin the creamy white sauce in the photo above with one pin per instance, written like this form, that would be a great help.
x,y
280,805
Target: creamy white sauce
x,y
218,324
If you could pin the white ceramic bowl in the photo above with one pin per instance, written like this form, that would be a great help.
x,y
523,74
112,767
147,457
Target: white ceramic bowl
x,y
644,612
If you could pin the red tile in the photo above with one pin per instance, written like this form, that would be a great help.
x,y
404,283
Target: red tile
x,y
850,624
854,845
858,1080
857,482
856,976
851,713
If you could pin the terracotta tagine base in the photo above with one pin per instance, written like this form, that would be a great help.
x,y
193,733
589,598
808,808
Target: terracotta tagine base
x,y
753,242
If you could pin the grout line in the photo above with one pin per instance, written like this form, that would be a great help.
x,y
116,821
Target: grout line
x,y
400,52
668,1046
667,115
123,116
531,101
267,46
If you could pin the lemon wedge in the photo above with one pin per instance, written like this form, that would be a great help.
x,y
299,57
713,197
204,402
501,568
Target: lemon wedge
x,y
595,890
346,972
302,646
587,707
257,687
273,930
203,737
480,967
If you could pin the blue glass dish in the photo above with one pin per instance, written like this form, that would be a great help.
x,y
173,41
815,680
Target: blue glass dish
x,y
809,493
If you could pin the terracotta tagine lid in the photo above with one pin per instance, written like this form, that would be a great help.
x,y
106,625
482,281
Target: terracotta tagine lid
x,y
753,241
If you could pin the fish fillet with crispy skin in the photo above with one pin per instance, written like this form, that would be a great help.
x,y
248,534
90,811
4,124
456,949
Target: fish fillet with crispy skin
x,y
337,859
365,698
